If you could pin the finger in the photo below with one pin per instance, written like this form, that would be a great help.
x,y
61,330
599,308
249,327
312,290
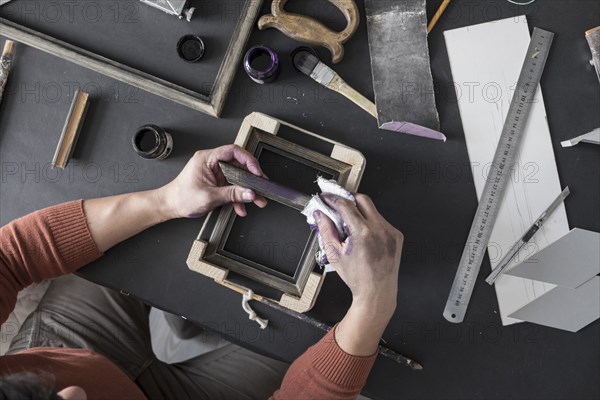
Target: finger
x,y
231,153
366,206
260,201
350,214
234,194
330,236
240,209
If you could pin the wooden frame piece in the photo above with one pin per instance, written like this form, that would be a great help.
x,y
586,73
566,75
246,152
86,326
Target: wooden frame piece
x,y
211,104
70,133
208,256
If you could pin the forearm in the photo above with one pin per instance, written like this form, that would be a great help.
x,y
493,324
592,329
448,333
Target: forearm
x,y
114,219
361,329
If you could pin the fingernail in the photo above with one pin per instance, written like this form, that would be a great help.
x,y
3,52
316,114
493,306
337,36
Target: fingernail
x,y
248,196
317,215
254,169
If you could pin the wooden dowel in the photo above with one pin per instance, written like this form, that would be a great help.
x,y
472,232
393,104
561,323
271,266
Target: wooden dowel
x,y
438,15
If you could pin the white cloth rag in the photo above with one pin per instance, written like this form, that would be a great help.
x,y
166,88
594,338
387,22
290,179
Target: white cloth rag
x,y
316,203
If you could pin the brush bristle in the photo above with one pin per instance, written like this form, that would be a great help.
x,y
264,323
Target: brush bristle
x,y
305,62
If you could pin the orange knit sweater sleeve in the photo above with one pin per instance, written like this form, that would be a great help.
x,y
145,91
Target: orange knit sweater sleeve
x,y
57,241
325,371
43,245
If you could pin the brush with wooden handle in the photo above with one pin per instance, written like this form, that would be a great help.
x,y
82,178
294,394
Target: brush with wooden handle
x,y
310,65
307,63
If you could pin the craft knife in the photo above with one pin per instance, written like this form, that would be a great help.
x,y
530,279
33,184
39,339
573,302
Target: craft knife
x,y
264,187
504,263
592,137
499,176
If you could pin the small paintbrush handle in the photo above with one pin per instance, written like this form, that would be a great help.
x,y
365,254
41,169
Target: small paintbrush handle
x,y
339,85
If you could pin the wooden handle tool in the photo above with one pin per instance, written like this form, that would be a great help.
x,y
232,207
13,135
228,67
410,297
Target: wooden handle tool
x,y
438,14
337,84
308,30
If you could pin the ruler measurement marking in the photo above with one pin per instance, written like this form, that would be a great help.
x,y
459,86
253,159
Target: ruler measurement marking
x,y
496,182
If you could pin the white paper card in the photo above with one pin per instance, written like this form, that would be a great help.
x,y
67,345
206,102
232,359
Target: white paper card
x,y
486,60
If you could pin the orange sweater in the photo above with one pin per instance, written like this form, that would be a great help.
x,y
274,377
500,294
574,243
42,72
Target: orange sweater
x,y
57,241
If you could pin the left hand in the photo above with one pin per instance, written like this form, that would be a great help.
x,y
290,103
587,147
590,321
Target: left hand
x,y
201,186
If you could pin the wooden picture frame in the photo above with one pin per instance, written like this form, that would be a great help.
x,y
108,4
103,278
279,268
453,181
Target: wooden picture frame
x,y
212,104
208,255
216,252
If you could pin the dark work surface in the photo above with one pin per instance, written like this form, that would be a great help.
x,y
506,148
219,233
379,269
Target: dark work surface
x,y
412,181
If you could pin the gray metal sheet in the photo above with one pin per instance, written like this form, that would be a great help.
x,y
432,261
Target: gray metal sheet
x,y
400,62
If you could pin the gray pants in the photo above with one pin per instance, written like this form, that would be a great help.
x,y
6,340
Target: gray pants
x,y
76,313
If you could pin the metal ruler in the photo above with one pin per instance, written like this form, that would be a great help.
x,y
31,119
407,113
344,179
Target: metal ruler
x,y
499,176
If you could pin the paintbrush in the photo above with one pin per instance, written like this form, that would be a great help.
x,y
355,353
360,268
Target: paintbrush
x,y
5,64
308,64
437,15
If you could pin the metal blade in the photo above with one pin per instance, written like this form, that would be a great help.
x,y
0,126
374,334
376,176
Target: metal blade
x,y
264,187
592,137
503,264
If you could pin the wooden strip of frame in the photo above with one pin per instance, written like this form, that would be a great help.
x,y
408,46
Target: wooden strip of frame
x,y
234,54
70,133
211,105
264,187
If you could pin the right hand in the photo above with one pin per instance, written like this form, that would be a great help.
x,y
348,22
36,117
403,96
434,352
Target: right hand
x,y
369,259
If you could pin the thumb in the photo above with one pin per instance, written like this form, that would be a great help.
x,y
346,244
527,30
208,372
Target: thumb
x,y
329,234
234,194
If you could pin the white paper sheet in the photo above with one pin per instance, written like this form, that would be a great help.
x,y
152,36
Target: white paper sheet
x,y
486,60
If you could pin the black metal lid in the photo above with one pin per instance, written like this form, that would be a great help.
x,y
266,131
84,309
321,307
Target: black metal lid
x,y
190,48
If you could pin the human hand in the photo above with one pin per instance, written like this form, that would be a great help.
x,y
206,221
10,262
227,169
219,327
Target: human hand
x,y
369,259
201,186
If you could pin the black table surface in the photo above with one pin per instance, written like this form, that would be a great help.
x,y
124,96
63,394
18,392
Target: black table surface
x,y
413,182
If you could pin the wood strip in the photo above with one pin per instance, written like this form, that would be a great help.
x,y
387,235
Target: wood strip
x,y
70,133
233,57
264,187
